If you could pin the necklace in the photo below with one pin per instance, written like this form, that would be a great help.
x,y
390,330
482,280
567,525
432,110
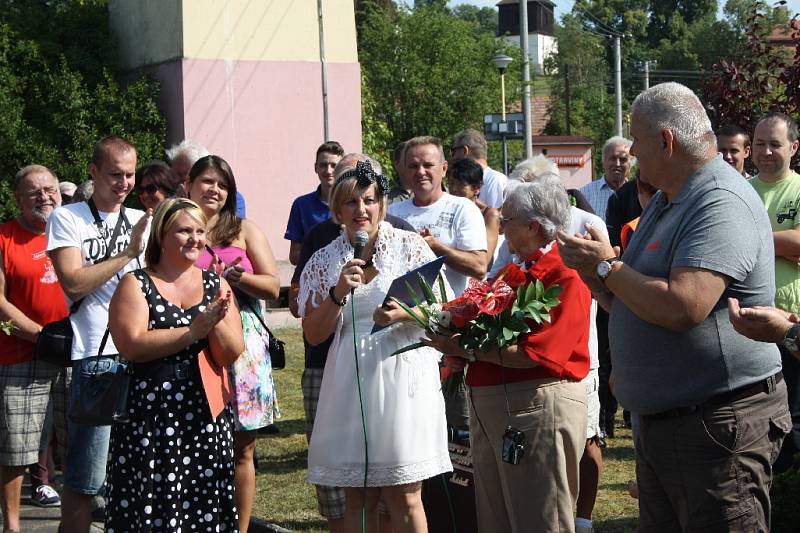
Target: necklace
x,y
369,262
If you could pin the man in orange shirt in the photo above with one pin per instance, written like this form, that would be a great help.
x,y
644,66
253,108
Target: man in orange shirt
x,y
30,297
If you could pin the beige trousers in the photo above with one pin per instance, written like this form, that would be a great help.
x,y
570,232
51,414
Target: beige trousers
x,y
539,493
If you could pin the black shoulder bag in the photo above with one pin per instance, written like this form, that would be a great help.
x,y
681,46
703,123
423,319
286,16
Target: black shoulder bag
x,y
275,346
54,343
104,398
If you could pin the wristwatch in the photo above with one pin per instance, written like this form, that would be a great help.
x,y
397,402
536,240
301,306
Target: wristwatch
x,y
791,341
334,299
603,268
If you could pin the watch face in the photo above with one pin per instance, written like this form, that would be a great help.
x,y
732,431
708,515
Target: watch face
x,y
603,269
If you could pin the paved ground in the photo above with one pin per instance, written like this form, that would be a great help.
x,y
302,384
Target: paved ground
x,y
46,520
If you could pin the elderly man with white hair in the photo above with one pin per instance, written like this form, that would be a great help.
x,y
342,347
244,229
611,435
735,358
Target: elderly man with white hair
x,y
182,156
712,404
617,163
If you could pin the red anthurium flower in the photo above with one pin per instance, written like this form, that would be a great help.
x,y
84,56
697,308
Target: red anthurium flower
x,y
461,311
500,297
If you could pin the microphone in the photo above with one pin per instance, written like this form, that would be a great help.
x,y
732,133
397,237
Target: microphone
x,y
360,242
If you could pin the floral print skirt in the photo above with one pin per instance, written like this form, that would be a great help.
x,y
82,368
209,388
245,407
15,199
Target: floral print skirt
x,y
255,404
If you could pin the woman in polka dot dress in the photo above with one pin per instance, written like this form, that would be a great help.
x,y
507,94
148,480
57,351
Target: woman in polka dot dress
x,y
172,465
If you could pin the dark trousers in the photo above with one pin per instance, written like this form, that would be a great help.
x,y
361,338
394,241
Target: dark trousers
x,y
711,470
608,403
791,445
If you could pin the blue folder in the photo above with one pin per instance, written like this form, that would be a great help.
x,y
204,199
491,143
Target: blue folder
x,y
399,289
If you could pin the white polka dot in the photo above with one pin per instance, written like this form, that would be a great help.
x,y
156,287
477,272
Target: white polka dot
x,y
171,477
179,396
121,459
167,385
186,460
145,442
147,509
170,431
207,517
160,308
208,472
123,503
173,522
209,427
189,416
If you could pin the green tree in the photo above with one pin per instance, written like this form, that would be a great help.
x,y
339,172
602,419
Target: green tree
x,y
484,17
431,73
581,55
57,98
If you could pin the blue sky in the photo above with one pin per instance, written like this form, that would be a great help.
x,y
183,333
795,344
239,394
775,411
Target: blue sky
x,y
563,6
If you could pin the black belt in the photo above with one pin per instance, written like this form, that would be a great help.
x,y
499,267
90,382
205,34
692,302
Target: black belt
x,y
164,371
765,385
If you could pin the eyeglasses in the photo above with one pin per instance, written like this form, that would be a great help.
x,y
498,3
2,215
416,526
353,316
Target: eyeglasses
x,y
149,189
506,220
49,191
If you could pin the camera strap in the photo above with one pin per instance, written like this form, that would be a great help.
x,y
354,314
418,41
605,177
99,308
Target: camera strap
x,y
505,386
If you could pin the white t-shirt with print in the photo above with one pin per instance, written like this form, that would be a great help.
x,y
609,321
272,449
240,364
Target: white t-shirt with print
x,y
455,222
73,226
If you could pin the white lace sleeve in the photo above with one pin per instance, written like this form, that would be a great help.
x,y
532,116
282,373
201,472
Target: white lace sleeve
x,y
320,273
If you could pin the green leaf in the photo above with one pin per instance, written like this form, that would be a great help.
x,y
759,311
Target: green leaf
x,y
412,294
442,291
426,290
408,348
420,322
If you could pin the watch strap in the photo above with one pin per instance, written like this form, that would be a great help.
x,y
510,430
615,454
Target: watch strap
x,y
332,295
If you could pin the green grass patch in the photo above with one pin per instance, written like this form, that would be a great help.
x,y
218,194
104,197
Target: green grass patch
x,y
284,497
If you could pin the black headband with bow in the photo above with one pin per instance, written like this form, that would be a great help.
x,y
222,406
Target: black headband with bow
x,y
365,176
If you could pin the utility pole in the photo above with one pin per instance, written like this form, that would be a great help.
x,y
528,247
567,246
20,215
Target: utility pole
x,y
646,74
526,77
618,84
324,72
568,99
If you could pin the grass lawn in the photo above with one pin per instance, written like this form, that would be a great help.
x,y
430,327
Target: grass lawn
x,y
284,497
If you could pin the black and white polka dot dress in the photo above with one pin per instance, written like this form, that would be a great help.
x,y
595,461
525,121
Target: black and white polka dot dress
x,y
171,467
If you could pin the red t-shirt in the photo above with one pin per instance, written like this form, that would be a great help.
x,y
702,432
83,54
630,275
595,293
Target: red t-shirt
x,y
31,285
561,347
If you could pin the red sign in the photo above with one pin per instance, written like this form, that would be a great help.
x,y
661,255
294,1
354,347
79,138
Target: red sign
x,y
567,160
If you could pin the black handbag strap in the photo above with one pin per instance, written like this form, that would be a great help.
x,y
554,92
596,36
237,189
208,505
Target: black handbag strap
x,y
99,223
247,304
100,351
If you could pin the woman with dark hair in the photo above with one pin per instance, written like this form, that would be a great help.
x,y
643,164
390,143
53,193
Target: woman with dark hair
x,y
172,464
155,182
242,254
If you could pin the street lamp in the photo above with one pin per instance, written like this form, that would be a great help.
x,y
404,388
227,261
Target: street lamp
x,y
501,62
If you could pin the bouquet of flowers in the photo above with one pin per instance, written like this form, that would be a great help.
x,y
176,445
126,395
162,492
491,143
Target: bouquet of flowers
x,y
489,315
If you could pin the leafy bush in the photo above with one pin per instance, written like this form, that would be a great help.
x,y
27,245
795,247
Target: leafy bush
x,y
58,93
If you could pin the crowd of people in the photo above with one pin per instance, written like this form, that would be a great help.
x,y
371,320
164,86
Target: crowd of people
x,y
680,300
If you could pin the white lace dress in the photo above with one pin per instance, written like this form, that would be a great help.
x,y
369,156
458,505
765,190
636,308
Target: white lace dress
x,y
403,403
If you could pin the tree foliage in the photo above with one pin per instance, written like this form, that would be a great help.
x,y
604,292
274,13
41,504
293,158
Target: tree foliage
x,y
429,73
762,78
58,94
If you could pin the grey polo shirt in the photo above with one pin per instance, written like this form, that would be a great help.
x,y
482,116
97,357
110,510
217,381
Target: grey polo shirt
x,y
716,222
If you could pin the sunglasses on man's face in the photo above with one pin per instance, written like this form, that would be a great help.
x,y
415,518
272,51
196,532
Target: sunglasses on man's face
x,y
149,189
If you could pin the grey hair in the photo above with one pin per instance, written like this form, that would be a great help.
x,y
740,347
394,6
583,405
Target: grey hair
x,y
349,161
83,192
544,201
192,149
474,140
26,171
675,107
617,140
530,169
